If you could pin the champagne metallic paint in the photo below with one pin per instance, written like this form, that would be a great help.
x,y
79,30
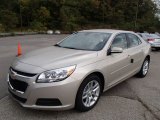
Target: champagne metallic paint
x,y
115,68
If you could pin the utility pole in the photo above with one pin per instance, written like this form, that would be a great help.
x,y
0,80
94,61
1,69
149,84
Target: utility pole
x,y
137,10
103,10
20,12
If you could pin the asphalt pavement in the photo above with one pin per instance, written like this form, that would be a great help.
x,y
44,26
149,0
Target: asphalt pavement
x,y
134,99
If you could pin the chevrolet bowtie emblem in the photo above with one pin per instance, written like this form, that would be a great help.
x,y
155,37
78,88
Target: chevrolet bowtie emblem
x,y
13,74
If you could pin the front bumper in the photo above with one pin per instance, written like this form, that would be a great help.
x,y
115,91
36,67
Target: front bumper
x,y
64,91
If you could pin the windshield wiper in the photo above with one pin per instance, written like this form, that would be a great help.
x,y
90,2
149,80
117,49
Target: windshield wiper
x,y
67,47
57,45
71,48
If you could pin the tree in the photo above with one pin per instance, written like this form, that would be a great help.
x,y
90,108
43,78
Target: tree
x,y
42,15
8,19
71,15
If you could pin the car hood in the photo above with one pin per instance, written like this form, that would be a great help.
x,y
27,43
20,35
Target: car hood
x,y
56,57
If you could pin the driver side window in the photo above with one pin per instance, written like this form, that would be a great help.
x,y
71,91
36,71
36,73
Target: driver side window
x,y
120,41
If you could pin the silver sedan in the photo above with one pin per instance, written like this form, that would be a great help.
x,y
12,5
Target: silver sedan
x,y
74,72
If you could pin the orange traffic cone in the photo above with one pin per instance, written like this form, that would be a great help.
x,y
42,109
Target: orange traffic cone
x,y
19,50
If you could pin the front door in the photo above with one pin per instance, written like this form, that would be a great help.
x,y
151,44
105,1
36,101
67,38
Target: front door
x,y
118,64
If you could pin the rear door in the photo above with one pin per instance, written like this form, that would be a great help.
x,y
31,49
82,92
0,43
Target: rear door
x,y
135,52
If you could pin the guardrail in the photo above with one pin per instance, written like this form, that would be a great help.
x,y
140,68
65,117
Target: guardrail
x,y
19,33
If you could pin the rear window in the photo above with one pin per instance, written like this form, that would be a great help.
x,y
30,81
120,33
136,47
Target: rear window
x,y
154,36
147,35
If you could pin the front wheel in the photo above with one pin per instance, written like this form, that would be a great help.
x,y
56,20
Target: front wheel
x,y
144,69
88,93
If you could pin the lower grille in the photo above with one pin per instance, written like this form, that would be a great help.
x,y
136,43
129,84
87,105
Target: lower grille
x,y
18,85
48,102
22,100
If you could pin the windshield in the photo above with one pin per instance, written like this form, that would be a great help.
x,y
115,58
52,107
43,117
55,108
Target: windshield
x,y
92,41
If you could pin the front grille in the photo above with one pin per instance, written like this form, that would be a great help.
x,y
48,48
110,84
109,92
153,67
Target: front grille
x,y
23,73
23,100
18,85
48,102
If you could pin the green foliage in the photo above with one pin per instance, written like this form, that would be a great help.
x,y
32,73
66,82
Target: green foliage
x,y
72,15
69,21
41,17
8,19
1,28
43,14
37,26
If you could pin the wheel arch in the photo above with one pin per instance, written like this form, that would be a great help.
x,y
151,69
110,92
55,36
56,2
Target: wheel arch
x,y
148,57
99,74
78,99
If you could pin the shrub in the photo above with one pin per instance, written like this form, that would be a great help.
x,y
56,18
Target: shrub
x,y
2,29
37,26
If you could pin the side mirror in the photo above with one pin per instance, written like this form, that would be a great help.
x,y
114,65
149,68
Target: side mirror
x,y
116,50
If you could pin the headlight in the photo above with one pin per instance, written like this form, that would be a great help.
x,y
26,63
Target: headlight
x,y
55,75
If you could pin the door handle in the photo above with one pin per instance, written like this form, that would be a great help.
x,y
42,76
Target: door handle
x,y
132,60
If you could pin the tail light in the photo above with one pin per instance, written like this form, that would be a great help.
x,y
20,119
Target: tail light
x,y
151,40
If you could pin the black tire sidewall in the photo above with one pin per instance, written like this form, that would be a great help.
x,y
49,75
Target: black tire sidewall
x,y
140,74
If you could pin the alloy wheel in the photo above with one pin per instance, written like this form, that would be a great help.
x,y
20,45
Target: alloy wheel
x,y
91,93
145,67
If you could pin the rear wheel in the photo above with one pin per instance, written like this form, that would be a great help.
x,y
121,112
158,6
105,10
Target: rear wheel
x,y
88,93
155,48
144,69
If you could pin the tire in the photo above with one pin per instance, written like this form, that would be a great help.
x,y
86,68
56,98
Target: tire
x,y
84,94
144,69
155,49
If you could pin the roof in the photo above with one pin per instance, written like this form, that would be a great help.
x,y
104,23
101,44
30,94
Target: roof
x,y
105,30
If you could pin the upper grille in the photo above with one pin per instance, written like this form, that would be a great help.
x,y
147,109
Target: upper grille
x,y
23,73
18,85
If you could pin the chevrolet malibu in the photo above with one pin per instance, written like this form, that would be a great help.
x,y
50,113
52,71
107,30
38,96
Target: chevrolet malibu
x,y
74,72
